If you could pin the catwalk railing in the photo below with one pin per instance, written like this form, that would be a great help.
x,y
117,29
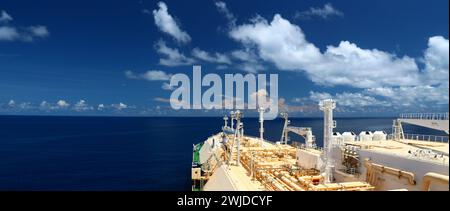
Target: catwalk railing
x,y
425,116
422,137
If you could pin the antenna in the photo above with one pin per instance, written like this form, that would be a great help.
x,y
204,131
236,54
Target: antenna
x,y
225,119
239,128
232,119
327,107
284,134
261,125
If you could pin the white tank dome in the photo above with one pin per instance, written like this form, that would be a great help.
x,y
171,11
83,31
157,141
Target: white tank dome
x,y
336,138
379,136
365,136
348,136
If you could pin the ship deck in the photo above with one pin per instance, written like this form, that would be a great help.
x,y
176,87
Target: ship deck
x,y
437,146
270,166
242,180
406,148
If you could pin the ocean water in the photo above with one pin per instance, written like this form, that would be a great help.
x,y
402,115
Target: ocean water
x,y
125,153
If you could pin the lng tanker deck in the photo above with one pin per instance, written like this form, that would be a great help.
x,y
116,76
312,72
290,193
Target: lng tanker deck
x,y
232,161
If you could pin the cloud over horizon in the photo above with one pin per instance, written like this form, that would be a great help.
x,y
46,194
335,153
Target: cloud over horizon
x,y
9,32
285,45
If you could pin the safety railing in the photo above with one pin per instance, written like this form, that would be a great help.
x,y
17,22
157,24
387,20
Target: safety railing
x,y
422,137
427,116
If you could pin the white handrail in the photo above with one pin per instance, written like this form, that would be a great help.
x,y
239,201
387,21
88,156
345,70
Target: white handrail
x,y
422,137
427,116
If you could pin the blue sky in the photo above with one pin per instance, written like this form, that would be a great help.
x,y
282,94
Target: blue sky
x,y
113,57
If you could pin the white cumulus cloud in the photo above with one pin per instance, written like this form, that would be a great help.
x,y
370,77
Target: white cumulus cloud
x,y
166,86
436,60
63,104
5,17
348,99
100,107
166,23
379,77
222,8
279,41
39,31
45,105
156,75
17,33
173,57
325,12
8,33
213,58
285,45
119,106
424,95
11,103
26,106
152,75
82,106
